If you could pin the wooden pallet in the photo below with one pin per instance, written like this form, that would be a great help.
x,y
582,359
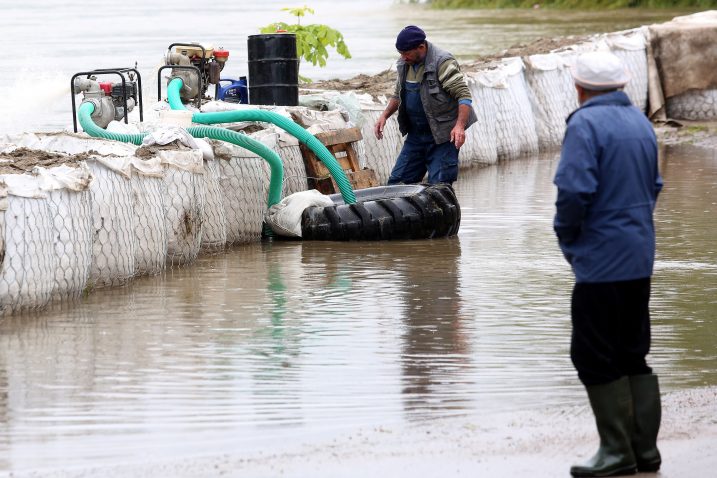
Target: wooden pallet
x,y
340,143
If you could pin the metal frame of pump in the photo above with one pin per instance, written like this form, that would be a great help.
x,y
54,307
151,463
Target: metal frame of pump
x,y
112,101
187,59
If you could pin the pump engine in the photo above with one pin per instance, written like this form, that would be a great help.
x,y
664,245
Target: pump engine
x,y
197,66
113,101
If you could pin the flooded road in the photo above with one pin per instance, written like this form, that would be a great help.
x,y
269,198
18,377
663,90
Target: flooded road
x,y
273,343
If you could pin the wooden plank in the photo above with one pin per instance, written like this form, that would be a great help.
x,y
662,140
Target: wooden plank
x,y
347,135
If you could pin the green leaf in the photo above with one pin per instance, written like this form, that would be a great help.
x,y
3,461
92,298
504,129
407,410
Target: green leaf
x,y
311,40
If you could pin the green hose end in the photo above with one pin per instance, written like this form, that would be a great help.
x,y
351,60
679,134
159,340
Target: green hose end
x,y
173,94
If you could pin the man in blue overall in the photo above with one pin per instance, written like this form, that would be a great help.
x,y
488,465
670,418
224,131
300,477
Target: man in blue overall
x,y
434,110
608,182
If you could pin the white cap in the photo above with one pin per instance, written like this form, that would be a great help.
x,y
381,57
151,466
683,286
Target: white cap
x,y
599,70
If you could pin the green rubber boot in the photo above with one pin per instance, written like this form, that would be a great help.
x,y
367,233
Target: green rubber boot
x,y
648,412
612,407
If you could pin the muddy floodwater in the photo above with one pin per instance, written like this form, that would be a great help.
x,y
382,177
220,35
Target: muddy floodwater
x,y
268,344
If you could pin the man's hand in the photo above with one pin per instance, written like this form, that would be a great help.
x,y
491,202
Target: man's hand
x,y
391,108
458,135
378,128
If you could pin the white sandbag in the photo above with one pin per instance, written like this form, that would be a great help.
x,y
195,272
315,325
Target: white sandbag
x,y
113,221
244,179
186,191
28,256
380,155
214,221
481,146
69,202
553,97
149,197
295,178
696,105
631,48
284,218
507,93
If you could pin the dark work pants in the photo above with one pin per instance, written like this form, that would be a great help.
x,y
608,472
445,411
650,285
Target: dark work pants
x,y
611,330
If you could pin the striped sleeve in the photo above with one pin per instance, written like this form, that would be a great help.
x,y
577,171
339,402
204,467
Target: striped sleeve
x,y
451,79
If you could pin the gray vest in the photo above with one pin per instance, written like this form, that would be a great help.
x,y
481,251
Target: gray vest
x,y
440,107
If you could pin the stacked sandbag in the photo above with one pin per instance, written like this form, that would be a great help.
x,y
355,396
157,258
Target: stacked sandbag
x,y
380,154
631,47
149,197
113,221
27,252
695,105
554,96
504,92
184,179
480,146
68,199
214,219
244,180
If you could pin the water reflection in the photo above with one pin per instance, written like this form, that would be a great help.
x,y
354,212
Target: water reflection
x,y
435,352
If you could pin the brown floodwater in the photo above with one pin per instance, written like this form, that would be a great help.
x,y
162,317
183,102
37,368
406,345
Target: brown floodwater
x,y
265,344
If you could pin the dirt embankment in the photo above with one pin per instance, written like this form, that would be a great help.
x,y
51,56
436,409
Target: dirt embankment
x,y
383,83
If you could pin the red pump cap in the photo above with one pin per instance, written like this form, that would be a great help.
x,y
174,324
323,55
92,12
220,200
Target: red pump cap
x,y
107,88
221,53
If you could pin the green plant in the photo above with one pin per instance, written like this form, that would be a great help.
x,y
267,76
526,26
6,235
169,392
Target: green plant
x,y
311,40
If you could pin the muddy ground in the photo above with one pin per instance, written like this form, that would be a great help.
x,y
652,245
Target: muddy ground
x,y
530,443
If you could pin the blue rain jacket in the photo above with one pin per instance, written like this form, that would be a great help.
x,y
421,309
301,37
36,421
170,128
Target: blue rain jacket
x,y
608,182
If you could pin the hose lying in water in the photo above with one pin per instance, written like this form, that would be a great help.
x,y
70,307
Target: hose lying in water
x,y
241,140
282,122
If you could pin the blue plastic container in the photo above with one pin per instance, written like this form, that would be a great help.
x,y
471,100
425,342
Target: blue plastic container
x,y
235,92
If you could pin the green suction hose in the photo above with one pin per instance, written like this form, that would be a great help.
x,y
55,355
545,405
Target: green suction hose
x,y
173,89
277,168
241,140
282,122
89,126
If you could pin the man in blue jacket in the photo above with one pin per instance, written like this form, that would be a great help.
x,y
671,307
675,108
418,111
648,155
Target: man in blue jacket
x,y
608,182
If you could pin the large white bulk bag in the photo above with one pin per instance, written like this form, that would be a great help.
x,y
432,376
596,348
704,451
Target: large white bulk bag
x,y
631,47
149,198
69,202
214,222
184,171
554,96
28,255
244,180
113,244
380,154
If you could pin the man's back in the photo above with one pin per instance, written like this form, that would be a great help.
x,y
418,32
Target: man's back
x,y
609,164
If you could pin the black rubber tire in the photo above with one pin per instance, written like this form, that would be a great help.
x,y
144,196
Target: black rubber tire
x,y
385,213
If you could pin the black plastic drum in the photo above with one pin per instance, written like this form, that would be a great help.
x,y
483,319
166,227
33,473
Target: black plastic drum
x,y
273,69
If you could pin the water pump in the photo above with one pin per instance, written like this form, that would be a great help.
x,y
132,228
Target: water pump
x,y
112,100
197,66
